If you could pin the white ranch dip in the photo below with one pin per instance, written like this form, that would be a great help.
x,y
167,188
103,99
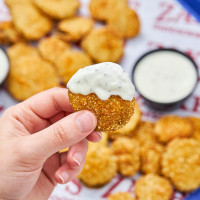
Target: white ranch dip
x,y
103,79
4,65
165,76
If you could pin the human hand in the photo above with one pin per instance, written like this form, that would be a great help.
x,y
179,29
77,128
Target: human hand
x,y
31,134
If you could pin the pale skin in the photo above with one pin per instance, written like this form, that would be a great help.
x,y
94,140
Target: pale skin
x,y
31,134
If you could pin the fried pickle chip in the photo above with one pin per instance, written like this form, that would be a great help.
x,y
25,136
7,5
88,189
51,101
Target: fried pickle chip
x,y
103,44
101,9
181,163
127,25
8,33
64,150
129,128
30,75
18,50
52,47
151,155
121,196
69,62
169,127
28,20
144,133
58,9
127,153
196,127
100,166
153,187
111,114
74,29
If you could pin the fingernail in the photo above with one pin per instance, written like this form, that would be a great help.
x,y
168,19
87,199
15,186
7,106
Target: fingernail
x,y
99,133
85,122
64,177
78,158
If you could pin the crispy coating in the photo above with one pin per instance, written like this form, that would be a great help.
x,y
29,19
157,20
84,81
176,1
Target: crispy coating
x,y
69,62
153,187
196,127
103,44
100,166
74,29
20,49
151,155
27,77
129,128
8,34
181,163
127,153
144,133
111,114
64,150
127,25
28,20
121,196
58,9
101,9
170,127
52,47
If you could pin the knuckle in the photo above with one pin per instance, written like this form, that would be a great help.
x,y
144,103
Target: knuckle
x,y
59,134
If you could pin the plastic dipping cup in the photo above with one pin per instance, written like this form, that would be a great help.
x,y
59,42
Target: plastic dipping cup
x,y
4,65
165,78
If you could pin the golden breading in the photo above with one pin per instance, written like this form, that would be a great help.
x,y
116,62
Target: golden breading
x,y
58,9
64,150
121,196
153,187
100,166
128,129
69,62
103,45
29,21
52,47
111,114
181,163
196,127
101,9
74,29
144,133
18,50
30,75
151,155
127,153
170,127
127,25
8,34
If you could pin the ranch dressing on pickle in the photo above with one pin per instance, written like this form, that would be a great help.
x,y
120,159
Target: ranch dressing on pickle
x,y
165,76
4,65
103,79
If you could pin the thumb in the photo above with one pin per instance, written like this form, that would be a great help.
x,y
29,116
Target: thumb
x,y
64,133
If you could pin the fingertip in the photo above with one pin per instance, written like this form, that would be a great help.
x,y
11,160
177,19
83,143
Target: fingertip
x,y
86,121
95,136
62,177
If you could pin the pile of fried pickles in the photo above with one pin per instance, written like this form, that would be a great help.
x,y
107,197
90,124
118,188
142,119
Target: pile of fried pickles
x,y
48,40
165,152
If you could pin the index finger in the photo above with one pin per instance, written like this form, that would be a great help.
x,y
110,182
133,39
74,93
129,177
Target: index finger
x,y
50,102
